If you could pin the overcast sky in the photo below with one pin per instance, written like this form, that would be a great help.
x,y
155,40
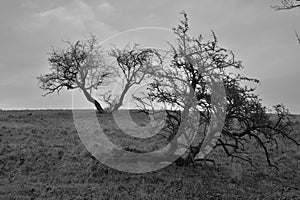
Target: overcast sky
x,y
262,38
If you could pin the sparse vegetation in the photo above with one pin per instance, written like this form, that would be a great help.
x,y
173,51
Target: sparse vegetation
x,y
42,157
43,150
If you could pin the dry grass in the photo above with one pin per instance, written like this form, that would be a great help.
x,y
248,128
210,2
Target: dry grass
x,y
42,157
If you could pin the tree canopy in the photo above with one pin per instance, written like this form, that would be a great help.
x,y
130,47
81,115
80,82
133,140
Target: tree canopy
x,y
185,86
79,65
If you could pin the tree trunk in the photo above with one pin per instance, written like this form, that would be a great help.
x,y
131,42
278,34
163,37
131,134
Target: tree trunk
x,y
188,157
93,101
98,106
119,104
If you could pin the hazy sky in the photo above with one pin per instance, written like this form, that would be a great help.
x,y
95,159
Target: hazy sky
x,y
262,38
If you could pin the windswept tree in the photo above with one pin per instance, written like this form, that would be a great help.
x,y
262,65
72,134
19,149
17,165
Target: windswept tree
x,y
185,86
80,65
133,65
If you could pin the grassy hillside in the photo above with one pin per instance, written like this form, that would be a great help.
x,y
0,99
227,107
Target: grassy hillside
x,y
42,157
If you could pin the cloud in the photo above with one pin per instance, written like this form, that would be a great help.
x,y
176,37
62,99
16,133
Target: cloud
x,y
73,19
105,8
30,5
74,14
151,17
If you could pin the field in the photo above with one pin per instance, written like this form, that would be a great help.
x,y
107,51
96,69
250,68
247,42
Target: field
x,y
42,157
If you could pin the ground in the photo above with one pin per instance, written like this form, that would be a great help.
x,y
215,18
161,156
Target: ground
x,y
42,157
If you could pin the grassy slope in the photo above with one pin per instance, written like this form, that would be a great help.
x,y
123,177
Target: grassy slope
x,y
41,157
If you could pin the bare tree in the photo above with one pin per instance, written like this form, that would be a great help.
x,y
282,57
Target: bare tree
x,y
80,65
287,5
184,86
133,66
